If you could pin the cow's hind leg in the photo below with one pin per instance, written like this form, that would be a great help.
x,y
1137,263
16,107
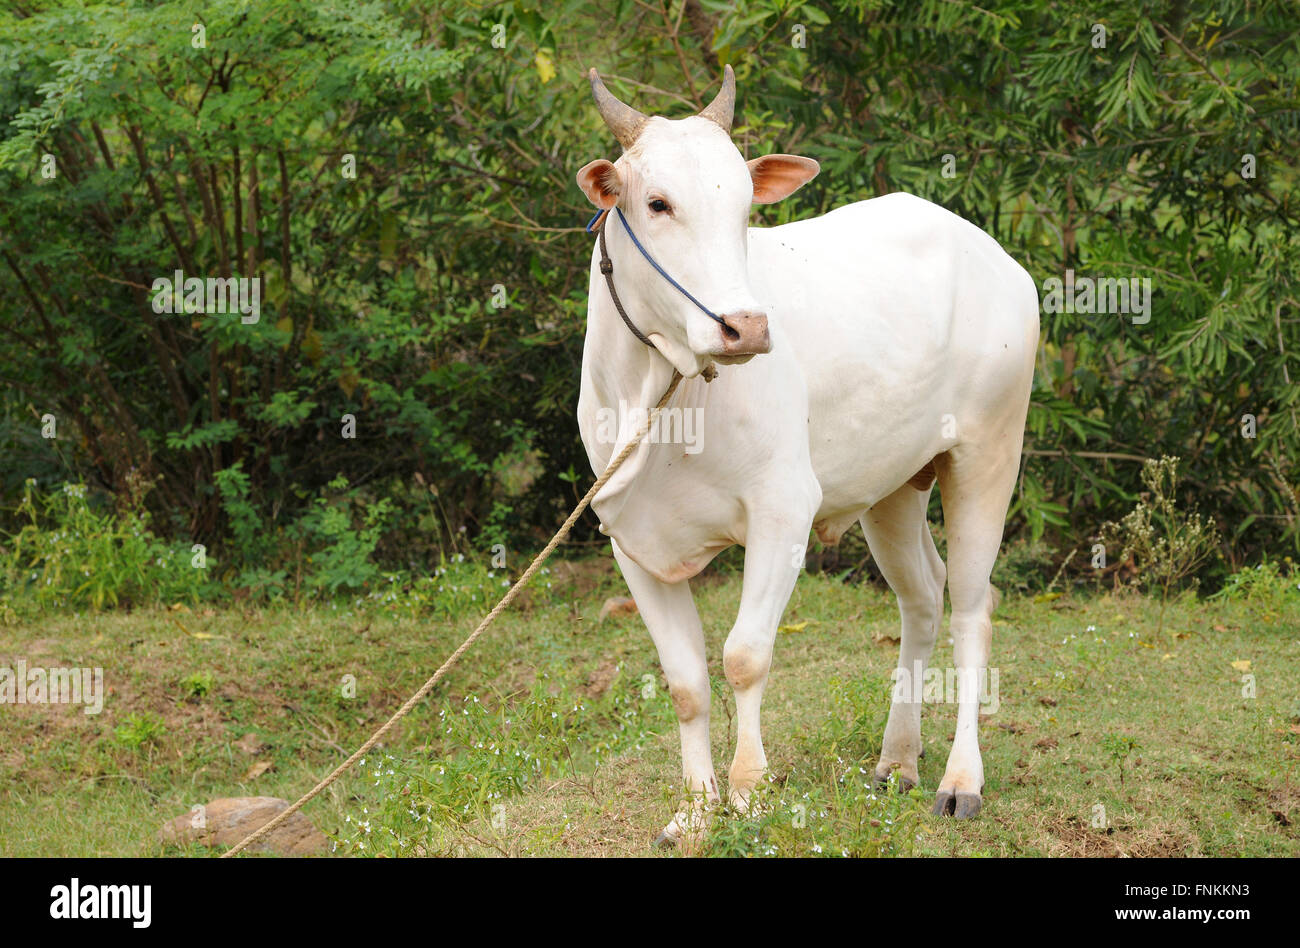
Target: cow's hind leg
x,y
901,545
975,483
674,624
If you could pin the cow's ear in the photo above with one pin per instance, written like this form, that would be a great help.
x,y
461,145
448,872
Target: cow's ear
x,y
779,176
601,182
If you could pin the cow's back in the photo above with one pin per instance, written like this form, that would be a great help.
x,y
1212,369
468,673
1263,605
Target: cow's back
x,y
906,322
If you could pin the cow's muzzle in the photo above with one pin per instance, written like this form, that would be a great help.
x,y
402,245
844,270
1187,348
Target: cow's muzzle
x,y
745,334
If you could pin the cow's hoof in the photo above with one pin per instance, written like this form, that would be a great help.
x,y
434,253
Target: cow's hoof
x,y
968,805
664,841
746,803
962,805
905,784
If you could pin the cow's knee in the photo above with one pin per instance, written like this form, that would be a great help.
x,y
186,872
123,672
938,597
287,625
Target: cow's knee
x,y
745,665
690,699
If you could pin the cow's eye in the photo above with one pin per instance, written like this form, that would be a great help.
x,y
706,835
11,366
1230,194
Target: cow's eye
x,y
659,205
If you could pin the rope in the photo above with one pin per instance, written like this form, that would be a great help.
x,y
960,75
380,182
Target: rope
x,y
607,268
662,272
428,686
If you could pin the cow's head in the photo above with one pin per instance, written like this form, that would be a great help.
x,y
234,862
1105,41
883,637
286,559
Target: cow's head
x,y
685,191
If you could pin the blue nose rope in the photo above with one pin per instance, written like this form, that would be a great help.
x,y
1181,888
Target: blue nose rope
x,y
607,268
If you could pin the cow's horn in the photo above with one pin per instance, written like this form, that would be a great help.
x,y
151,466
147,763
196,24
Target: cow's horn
x,y
723,106
623,120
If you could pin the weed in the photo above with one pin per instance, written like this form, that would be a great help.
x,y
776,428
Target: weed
x,y
197,685
1164,544
138,730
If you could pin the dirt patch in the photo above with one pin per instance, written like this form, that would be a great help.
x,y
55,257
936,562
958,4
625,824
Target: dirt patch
x,y
1076,838
1284,804
584,577
599,680
31,651
519,676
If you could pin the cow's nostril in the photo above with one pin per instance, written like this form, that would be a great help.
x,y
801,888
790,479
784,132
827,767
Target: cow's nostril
x,y
745,333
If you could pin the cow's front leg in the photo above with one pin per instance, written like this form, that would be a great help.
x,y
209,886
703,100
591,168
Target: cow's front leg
x,y
773,560
670,615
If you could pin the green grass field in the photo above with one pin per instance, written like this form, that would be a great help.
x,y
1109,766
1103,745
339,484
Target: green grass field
x,y
556,735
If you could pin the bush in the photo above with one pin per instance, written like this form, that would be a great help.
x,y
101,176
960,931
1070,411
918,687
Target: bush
x,y
69,555
1165,544
1265,588
139,730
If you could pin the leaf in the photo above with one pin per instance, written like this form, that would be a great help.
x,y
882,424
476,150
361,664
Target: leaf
x,y
545,68
311,345
1242,665
348,379
798,626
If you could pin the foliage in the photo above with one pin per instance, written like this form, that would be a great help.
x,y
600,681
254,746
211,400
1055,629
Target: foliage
x,y
68,554
1265,589
1120,747
343,556
456,588
197,685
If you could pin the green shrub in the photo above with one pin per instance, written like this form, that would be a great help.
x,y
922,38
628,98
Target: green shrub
x,y
68,554
197,685
138,730
1265,588
342,533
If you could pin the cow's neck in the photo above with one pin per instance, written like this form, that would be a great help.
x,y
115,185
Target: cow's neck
x,y
621,369
622,378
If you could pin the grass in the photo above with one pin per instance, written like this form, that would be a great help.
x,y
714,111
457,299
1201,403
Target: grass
x,y
556,735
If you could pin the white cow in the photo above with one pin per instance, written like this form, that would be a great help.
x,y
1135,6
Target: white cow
x,y
897,346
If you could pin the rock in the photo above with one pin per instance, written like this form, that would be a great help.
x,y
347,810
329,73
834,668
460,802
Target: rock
x,y
228,820
251,744
618,607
